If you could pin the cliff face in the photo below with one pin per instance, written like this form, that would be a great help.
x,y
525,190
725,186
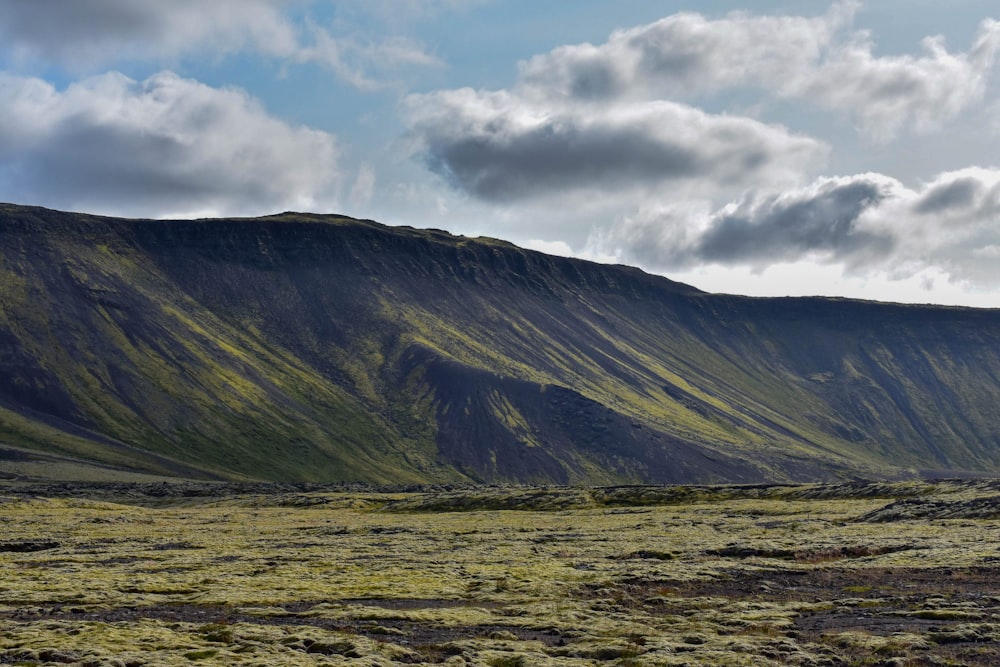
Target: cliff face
x,y
302,347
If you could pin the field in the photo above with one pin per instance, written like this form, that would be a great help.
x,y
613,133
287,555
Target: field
x,y
157,574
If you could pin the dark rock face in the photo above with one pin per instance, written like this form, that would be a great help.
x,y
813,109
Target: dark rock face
x,y
27,546
322,348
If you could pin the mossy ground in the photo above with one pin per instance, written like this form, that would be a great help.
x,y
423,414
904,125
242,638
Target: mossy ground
x,y
813,575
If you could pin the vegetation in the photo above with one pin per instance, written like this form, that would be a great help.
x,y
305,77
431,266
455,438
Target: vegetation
x,y
318,348
180,574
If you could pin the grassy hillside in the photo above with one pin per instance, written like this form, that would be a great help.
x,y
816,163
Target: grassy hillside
x,y
303,347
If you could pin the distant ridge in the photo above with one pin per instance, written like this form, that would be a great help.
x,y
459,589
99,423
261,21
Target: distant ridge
x,y
323,348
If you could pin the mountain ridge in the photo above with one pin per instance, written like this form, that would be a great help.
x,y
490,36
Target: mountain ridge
x,y
320,347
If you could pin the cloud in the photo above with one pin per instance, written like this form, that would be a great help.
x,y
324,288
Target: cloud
x,y
687,54
888,94
85,34
824,220
949,195
616,118
868,224
363,188
166,145
818,60
965,197
406,11
363,64
499,147
92,32
560,248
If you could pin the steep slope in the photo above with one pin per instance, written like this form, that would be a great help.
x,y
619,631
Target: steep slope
x,y
326,348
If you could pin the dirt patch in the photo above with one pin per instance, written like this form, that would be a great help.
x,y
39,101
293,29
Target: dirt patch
x,y
809,555
28,546
915,509
423,636
885,585
922,616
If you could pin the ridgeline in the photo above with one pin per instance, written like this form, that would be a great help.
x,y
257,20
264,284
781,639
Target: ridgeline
x,y
303,347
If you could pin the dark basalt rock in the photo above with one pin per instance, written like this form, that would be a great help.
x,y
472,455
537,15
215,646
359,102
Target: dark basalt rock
x,y
27,546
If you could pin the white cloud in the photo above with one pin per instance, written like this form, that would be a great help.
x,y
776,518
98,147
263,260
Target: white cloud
x,y
560,248
606,118
406,11
867,226
364,65
363,189
818,60
929,285
85,34
962,198
93,32
990,252
687,54
992,119
166,145
501,147
889,93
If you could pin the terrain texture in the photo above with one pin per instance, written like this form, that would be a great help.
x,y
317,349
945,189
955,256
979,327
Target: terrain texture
x,y
900,574
323,348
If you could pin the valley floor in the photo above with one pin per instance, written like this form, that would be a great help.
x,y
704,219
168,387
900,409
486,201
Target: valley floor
x,y
849,574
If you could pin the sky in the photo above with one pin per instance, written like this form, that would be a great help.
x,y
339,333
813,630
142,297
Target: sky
x,y
765,148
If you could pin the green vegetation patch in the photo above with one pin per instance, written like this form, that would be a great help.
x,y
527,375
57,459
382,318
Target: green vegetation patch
x,y
716,576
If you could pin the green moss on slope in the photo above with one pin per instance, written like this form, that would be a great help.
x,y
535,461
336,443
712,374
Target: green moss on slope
x,y
320,347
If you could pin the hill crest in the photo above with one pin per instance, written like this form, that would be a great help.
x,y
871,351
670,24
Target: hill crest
x,y
324,348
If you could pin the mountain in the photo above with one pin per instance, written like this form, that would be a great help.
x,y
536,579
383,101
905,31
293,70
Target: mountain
x,y
324,348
